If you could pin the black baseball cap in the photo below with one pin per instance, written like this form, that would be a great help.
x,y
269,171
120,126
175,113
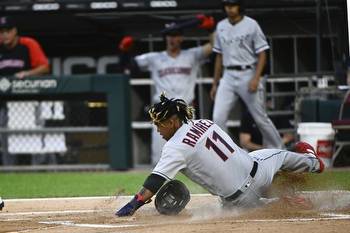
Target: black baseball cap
x,y
7,22
172,29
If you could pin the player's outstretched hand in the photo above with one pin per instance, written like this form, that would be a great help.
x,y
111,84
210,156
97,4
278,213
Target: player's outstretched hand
x,y
206,22
126,43
130,208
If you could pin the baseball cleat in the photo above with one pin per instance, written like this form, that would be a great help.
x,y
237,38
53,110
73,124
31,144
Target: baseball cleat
x,y
306,148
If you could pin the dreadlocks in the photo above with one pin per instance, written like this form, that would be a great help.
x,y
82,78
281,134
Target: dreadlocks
x,y
168,107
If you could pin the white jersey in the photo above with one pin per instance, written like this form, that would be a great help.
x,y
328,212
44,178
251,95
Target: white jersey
x,y
208,156
174,75
239,43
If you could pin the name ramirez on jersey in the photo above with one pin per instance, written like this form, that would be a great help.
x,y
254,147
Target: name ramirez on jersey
x,y
196,131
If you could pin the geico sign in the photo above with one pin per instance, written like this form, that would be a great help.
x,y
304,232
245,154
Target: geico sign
x,y
163,4
65,66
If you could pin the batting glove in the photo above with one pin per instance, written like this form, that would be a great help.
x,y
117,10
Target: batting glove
x,y
206,22
126,43
130,208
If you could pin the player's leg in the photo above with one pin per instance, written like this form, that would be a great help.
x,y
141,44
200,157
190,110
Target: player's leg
x,y
224,101
156,146
255,105
273,160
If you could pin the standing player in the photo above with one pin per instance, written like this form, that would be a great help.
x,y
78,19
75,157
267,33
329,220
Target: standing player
x,y
20,57
174,70
203,152
240,50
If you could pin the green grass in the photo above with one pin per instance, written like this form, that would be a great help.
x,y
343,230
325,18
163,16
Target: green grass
x,y
74,184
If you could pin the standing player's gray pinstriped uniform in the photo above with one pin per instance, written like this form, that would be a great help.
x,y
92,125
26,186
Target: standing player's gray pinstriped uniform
x,y
174,75
207,155
239,45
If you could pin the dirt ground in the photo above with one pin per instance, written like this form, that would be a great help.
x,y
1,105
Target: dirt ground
x,y
330,212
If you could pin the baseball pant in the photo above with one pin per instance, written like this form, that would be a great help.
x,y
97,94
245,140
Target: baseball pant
x,y
234,84
270,161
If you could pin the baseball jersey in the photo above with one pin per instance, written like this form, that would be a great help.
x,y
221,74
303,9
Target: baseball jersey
x,y
239,43
27,54
174,75
208,156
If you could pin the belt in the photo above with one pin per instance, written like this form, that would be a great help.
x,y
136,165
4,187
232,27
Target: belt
x,y
246,67
245,186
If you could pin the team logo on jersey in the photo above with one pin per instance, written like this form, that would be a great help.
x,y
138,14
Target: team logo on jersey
x,y
174,70
239,40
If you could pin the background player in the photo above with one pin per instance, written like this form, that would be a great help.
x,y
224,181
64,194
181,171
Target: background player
x,y
174,70
240,48
203,152
20,57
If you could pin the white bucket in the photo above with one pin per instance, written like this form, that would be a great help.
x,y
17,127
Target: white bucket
x,y
321,137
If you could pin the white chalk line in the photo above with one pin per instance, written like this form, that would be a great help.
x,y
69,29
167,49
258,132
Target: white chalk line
x,y
329,216
71,223
49,212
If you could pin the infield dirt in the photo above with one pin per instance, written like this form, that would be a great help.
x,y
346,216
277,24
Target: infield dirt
x,y
330,213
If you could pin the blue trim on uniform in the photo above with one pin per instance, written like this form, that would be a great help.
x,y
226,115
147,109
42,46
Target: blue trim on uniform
x,y
274,155
261,48
217,50
161,174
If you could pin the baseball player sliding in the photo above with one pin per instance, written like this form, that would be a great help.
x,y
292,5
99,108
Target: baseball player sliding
x,y
174,70
203,152
240,53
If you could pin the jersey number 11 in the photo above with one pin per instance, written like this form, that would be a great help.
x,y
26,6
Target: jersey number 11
x,y
210,144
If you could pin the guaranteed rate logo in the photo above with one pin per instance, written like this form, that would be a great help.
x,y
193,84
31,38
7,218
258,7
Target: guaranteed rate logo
x,y
27,85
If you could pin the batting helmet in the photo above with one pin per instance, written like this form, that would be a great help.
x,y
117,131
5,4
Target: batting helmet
x,y
172,198
240,3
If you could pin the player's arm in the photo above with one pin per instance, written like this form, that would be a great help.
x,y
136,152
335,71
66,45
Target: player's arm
x,y
245,139
254,82
207,23
201,21
217,74
150,187
38,60
40,70
208,47
128,62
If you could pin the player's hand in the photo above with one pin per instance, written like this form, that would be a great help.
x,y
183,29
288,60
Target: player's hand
x,y
126,43
253,85
130,208
213,91
206,22
21,74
